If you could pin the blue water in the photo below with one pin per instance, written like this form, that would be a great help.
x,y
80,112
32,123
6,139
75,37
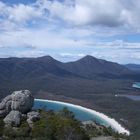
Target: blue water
x,y
80,114
132,97
136,85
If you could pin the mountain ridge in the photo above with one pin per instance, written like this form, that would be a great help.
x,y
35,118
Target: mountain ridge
x,y
45,73
84,67
134,67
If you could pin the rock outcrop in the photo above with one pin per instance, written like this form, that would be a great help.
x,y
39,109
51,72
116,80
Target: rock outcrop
x,y
32,117
16,107
5,106
19,100
22,101
13,118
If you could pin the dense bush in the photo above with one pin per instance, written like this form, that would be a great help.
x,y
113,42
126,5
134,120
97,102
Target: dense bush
x,y
59,127
55,126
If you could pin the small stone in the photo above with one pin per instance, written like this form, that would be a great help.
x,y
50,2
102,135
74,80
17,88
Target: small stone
x,y
30,123
32,117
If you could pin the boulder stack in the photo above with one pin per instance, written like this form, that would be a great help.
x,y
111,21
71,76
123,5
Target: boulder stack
x,y
18,106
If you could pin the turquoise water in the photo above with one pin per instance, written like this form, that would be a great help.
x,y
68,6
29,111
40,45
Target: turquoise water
x,y
132,97
136,85
80,114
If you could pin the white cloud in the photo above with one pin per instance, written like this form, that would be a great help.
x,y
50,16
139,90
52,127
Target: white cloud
x,y
111,13
72,55
22,13
39,38
72,28
17,15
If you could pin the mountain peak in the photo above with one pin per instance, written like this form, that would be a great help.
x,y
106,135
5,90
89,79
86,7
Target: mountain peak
x,y
89,58
46,57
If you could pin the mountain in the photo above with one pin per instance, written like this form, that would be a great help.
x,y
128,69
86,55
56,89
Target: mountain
x,y
32,73
41,67
15,68
47,74
134,67
91,67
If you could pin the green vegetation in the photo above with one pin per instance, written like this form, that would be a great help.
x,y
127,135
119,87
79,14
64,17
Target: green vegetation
x,y
56,126
95,131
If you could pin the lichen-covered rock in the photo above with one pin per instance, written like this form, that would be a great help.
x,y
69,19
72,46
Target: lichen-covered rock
x,y
19,103
32,117
13,118
5,106
22,101
19,100
4,101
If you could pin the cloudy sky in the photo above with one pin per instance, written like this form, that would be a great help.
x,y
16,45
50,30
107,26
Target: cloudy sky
x,y
71,29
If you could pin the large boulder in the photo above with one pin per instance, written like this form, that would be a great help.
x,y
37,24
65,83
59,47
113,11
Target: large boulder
x,y
5,106
18,100
13,118
22,101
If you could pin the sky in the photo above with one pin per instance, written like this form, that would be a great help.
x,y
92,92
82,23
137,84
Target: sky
x,y
70,29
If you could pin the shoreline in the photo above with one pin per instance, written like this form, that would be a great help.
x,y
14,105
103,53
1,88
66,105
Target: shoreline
x,y
111,122
136,85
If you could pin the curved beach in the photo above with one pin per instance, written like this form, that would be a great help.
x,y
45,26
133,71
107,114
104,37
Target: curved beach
x,y
108,121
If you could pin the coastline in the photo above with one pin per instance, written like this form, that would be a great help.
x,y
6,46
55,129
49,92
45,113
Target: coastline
x,y
111,122
136,85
